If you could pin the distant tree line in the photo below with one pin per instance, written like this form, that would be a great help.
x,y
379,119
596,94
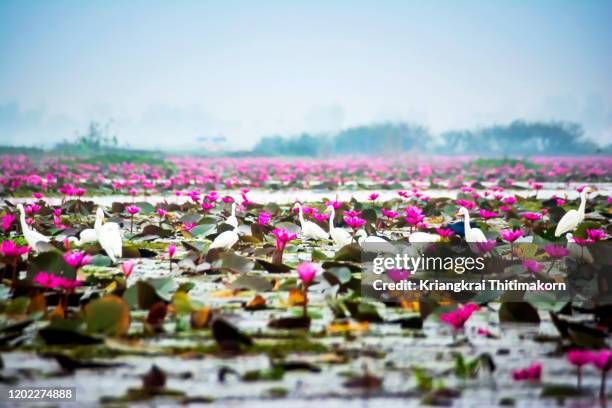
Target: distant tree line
x,y
518,138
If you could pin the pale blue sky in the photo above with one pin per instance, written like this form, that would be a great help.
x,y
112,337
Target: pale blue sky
x,y
167,72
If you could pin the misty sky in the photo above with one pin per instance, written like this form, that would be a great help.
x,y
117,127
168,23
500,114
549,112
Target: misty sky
x,y
168,72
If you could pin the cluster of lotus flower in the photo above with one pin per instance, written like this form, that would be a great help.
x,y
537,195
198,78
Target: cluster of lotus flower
x,y
504,217
21,175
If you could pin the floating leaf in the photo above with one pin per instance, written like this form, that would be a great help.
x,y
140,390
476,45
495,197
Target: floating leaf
x,y
256,283
228,337
109,315
236,262
350,253
518,312
273,268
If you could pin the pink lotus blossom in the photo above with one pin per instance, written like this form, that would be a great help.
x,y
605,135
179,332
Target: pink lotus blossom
x,y
77,259
469,205
457,318
282,238
484,247
189,226
161,212
531,373
321,217
556,251
445,232
602,360
510,236
373,196
171,250
354,222
595,234
306,271
352,213
533,266
10,249
132,209
579,357
7,221
206,206
532,216
264,218
47,280
510,200
389,213
414,215
398,275
127,267
486,214
335,204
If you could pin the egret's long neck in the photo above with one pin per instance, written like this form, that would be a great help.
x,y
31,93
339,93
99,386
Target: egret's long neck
x,y
466,221
98,223
301,214
331,219
233,209
582,207
22,220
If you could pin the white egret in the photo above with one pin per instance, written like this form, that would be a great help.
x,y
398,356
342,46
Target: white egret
x,y
309,228
382,245
232,220
340,236
471,234
225,240
109,236
90,234
32,236
573,218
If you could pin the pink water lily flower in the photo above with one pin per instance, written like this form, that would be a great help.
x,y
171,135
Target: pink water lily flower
x,y
373,196
487,215
77,259
556,251
47,280
389,213
596,234
282,238
189,226
445,232
457,318
531,373
485,247
532,216
306,272
510,236
579,358
264,218
533,266
10,249
354,222
398,275
7,221
132,209
127,267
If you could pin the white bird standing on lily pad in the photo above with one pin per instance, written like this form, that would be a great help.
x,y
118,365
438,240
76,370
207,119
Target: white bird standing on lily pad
x,y
32,236
232,220
309,228
109,236
340,236
573,218
225,240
